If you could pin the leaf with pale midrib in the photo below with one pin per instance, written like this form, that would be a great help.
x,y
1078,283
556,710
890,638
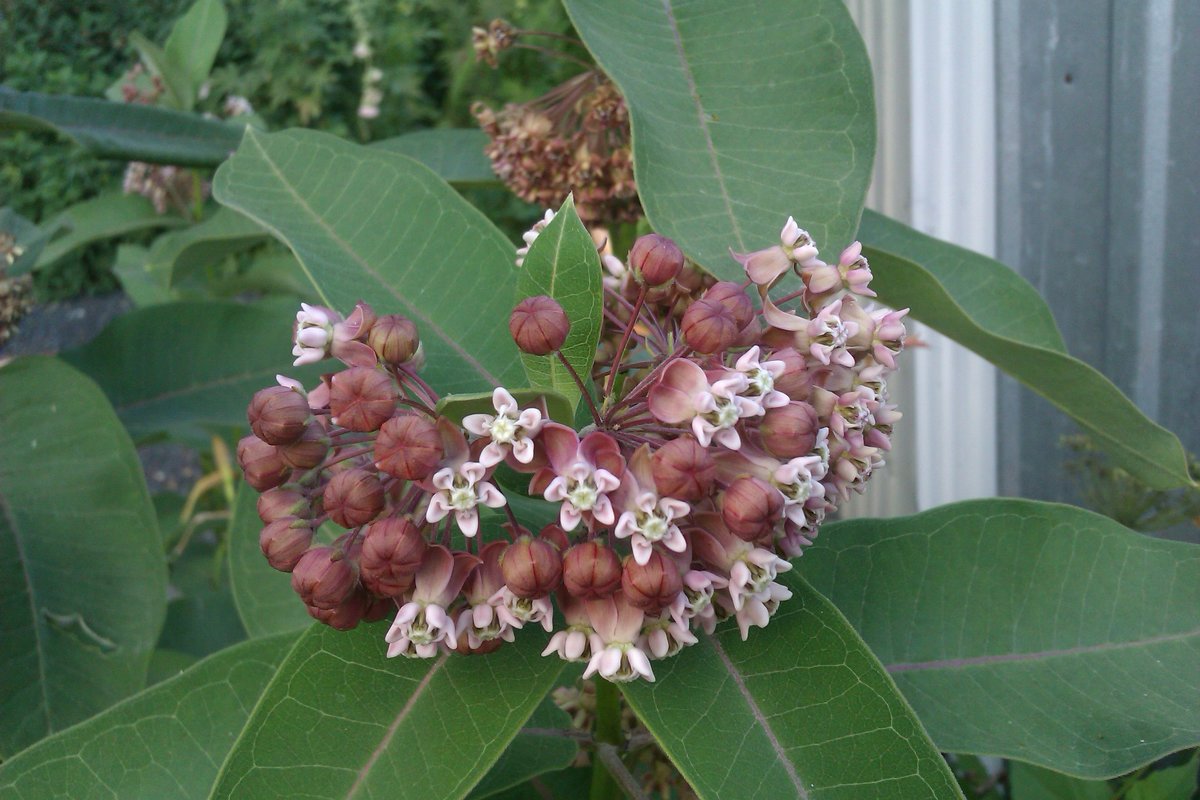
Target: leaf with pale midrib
x,y
742,114
987,307
82,574
801,710
342,720
562,263
166,743
377,226
456,154
1029,630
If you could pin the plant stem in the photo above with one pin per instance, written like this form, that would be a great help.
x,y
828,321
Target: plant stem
x,y
582,389
607,755
616,362
606,731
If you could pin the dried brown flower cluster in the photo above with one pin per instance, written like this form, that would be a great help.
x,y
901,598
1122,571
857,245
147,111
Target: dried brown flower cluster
x,y
575,138
15,293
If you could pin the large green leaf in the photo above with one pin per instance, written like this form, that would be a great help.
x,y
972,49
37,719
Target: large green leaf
x,y
193,44
742,114
341,720
124,131
183,253
454,153
378,226
562,263
105,217
801,710
263,596
166,743
1034,783
537,749
987,307
1029,630
82,575
185,368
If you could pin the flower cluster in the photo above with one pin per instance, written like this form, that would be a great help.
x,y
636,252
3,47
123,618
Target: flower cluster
x,y
16,293
730,435
575,138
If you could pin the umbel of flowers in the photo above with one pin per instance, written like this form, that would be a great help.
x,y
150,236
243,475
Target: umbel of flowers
x,y
722,434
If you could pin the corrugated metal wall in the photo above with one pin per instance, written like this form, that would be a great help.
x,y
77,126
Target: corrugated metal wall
x,y
1099,186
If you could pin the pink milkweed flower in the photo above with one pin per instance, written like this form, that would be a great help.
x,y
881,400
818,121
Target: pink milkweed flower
x,y
516,611
479,619
854,270
750,570
573,643
756,610
585,471
825,336
510,428
889,336
321,332
422,626
798,481
695,602
684,395
648,518
765,266
760,379
616,654
460,490
664,637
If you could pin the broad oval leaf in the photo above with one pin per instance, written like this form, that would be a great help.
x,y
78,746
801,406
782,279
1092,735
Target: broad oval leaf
x,y
263,596
538,748
108,216
82,573
205,244
742,114
342,720
562,263
193,44
171,368
456,154
800,710
377,226
166,743
984,305
1072,640
124,131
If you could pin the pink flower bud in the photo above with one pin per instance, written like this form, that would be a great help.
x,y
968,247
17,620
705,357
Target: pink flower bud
x,y
733,297
394,339
261,463
683,469
361,398
532,567
284,541
391,555
309,450
651,586
709,327
751,507
278,415
347,614
353,497
324,578
538,325
282,502
790,431
655,259
591,571
794,381
408,447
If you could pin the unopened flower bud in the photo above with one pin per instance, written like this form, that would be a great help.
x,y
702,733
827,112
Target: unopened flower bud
x,y
538,325
709,327
391,554
790,431
261,463
324,578
278,415
531,567
282,502
751,507
309,450
794,381
734,298
591,571
408,447
284,541
346,615
353,497
394,339
361,398
683,469
653,585
655,259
